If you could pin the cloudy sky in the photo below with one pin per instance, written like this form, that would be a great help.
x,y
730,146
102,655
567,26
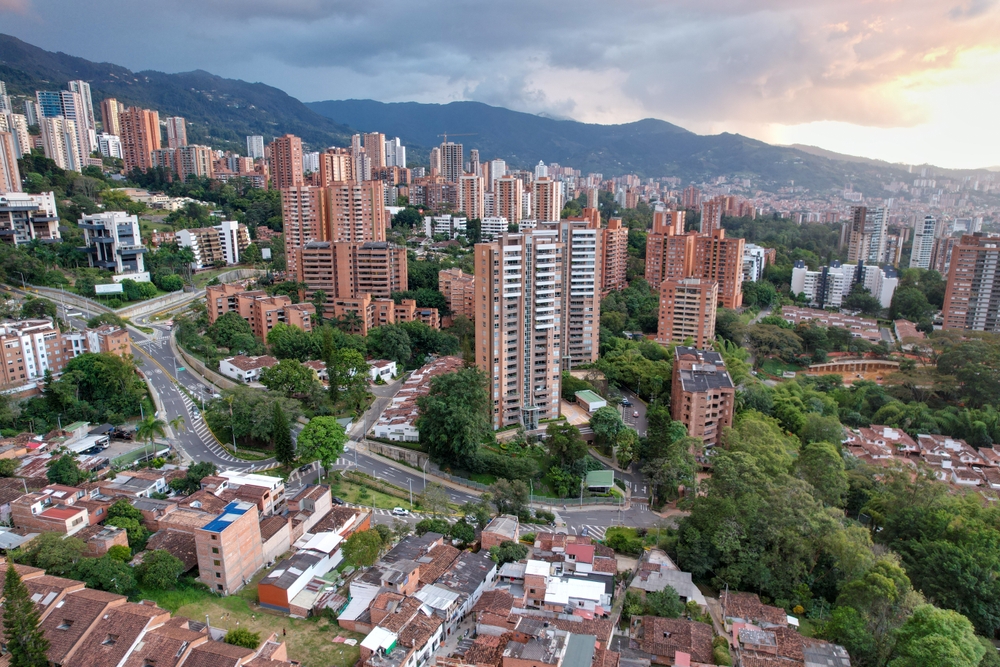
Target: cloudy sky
x,y
908,81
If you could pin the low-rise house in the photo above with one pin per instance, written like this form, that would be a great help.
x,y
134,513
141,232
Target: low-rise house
x,y
246,369
319,368
398,421
116,633
747,608
74,619
177,543
504,528
663,638
264,491
39,513
382,369
100,539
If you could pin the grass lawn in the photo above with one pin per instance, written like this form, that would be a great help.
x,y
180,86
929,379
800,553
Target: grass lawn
x,y
354,493
775,367
310,641
202,278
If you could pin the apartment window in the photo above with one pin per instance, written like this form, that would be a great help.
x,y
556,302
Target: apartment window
x,y
215,550
215,537
218,575
217,563
219,586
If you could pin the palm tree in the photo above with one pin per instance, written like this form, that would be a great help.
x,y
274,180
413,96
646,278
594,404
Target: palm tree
x,y
178,424
150,428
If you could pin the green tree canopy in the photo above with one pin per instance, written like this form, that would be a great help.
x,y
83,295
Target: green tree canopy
x,y
324,438
362,548
565,444
508,552
455,415
159,570
243,637
821,465
64,470
23,639
289,377
934,637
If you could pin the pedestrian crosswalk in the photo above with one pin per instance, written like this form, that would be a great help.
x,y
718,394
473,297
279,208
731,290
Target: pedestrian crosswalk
x,y
596,532
195,422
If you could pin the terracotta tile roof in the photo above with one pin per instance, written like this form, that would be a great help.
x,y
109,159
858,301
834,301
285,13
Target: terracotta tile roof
x,y
498,621
749,607
498,601
601,550
270,526
607,565
217,654
114,634
440,559
178,543
11,488
487,650
163,647
335,518
419,630
605,658
205,500
665,636
404,612
267,662
64,625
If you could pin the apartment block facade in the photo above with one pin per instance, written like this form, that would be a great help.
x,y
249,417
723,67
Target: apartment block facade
x,y
31,347
186,160
703,395
614,256
687,310
10,174
719,259
261,311
28,217
221,243
582,242
519,309
509,199
229,548
972,296
113,242
546,199
668,254
458,289
286,162
346,270
362,313
140,135
923,243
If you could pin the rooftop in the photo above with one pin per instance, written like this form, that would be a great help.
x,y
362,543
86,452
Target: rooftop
x,y
504,525
233,511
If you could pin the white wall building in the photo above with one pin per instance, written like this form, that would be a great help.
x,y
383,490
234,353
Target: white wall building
x,y
113,243
753,262
831,284
28,217
255,146
493,226
449,225
923,243
109,145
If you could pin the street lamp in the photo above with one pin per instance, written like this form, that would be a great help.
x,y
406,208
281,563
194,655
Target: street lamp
x,y
23,286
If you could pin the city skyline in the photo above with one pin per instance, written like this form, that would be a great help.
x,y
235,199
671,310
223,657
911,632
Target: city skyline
x,y
868,79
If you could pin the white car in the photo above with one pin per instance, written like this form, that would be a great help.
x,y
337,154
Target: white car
x,y
399,511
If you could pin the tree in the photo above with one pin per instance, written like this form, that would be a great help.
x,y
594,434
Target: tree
x,y
439,526
227,327
37,308
8,467
933,637
508,552
391,342
120,552
435,499
566,446
627,447
106,574
665,603
159,570
510,496
910,303
348,373
243,637
362,548
150,428
191,482
53,552
324,438
281,438
289,377
137,533
455,415
385,532
478,511
124,509
821,465
65,471
462,531
607,424
25,641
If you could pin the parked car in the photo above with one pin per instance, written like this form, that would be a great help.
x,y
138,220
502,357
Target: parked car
x,y
306,468
626,402
336,500
399,511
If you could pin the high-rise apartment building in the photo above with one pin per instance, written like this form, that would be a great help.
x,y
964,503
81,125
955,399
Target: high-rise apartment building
x,y
972,295
109,145
32,112
614,256
395,153
720,259
286,162
498,169
49,103
435,160
546,199
941,254
176,132
375,149
711,215
260,311
346,211
510,196
111,110
222,243
923,243
17,125
458,289
61,142
687,310
140,133
471,196
10,175
581,241
70,105
255,146
702,396
186,161
335,165
593,198
82,88
452,161
866,235
344,270
691,197
519,301
665,221
474,167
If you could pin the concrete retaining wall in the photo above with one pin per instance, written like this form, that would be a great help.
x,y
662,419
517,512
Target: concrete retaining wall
x,y
220,381
410,456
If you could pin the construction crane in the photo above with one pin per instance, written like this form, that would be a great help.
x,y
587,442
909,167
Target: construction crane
x,y
465,134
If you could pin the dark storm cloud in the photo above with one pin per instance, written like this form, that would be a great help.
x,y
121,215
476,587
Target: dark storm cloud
x,y
742,61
